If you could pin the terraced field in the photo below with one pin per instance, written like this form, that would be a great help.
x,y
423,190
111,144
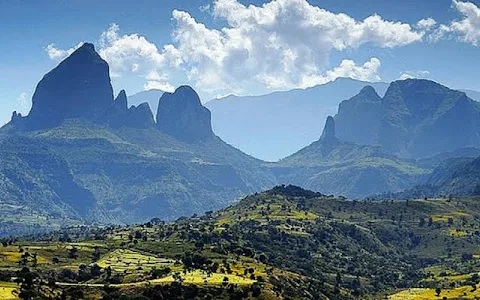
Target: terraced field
x,y
128,261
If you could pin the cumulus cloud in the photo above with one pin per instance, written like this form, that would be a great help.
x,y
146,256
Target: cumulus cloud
x,y
426,24
281,44
466,30
129,53
58,54
347,69
414,74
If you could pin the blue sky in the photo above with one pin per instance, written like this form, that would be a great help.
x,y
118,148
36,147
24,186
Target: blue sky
x,y
241,47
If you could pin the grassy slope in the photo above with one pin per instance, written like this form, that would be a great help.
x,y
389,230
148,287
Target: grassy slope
x,y
297,244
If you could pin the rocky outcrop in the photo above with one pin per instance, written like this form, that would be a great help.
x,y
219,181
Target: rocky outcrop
x,y
415,118
328,140
182,115
140,116
364,110
79,87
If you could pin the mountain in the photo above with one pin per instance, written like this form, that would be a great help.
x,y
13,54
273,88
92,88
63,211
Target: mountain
x,y
78,87
183,116
416,118
283,243
273,126
83,155
337,167
151,97
475,95
453,177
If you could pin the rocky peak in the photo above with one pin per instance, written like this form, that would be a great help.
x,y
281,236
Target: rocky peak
x,y
16,116
120,103
329,130
368,92
328,140
140,116
79,87
182,115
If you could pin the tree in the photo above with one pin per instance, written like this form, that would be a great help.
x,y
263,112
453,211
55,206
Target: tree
x,y
26,280
96,254
72,253
438,291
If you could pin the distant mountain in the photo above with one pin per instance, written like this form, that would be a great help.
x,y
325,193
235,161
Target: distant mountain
x,y
82,155
475,95
454,177
336,167
273,126
415,118
151,97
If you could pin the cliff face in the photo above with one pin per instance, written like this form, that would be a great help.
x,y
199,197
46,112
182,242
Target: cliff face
x,y
182,115
79,87
416,118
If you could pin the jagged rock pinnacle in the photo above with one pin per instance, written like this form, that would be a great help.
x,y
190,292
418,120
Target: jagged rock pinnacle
x,y
182,115
79,87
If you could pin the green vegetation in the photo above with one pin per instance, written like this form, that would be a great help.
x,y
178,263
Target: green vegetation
x,y
285,243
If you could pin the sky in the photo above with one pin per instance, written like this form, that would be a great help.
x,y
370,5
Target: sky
x,y
240,47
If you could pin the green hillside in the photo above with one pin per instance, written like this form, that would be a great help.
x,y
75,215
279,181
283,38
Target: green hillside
x,y
285,243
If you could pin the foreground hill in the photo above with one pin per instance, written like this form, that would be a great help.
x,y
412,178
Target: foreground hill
x,y
285,243
276,125
416,118
82,155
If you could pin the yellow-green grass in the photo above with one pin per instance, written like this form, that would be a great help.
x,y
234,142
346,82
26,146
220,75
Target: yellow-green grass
x,y
198,277
122,260
7,290
453,278
455,215
457,232
463,292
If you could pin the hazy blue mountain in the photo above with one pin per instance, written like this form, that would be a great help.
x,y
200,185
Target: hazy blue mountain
x,y
416,118
151,97
475,95
109,163
453,177
333,166
276,125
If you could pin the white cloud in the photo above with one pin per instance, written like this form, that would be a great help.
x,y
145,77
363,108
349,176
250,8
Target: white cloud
x,y
59,54
414,74
282,44
129,53
426,24
204,8
466,30
347,69
23,103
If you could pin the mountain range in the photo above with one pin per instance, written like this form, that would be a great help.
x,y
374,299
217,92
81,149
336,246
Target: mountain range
x,y
285,121
416,118
84,156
